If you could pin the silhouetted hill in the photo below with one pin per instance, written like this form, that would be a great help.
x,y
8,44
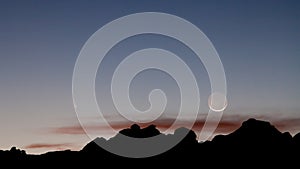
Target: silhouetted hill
x,y
255,133
296,139
254,143
136,132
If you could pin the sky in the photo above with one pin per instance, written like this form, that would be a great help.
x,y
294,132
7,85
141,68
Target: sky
x,y
258,43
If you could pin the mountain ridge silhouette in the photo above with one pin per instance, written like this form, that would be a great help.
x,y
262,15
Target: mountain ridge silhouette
x,y
254,142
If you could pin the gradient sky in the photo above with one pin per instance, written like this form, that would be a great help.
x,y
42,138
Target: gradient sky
x,y
257,41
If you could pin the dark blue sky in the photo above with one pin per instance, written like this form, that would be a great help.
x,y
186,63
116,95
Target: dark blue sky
x,y
257,41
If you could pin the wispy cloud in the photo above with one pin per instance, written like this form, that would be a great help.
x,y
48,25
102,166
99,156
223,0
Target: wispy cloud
x,y
288,124
77,129
162,124
60,146
226,125
69,130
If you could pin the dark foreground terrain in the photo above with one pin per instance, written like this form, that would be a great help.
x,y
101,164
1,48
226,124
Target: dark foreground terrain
x,y
256,143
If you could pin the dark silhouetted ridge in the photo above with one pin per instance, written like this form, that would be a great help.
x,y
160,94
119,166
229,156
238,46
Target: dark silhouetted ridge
x,y
136,132
254,143
255,133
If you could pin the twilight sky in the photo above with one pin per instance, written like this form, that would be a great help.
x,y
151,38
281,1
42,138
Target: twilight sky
x,y
257,41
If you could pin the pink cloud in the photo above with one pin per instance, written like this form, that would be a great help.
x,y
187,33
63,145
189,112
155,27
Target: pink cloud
x,y
77,129
50,146
161,124
227,125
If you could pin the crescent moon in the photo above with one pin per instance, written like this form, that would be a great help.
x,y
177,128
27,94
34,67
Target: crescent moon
x,y
217,102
